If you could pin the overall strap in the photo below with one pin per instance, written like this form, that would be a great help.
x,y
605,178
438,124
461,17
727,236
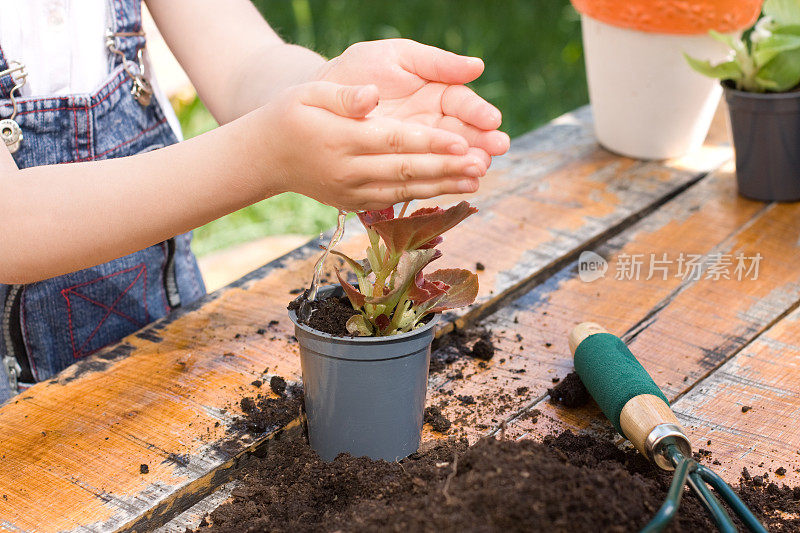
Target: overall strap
x,y
6,80
126,29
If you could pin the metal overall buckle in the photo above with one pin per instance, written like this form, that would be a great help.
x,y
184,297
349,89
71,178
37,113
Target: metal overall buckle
x,y
141,90
10,131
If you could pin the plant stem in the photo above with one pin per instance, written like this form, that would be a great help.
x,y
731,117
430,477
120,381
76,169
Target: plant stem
x,y
403,209
399,311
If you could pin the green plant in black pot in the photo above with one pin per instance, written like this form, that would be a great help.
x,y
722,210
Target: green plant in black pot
x,y
761,87
365,387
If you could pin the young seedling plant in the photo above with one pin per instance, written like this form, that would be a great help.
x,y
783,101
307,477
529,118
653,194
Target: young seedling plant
x,y
393,295
767,58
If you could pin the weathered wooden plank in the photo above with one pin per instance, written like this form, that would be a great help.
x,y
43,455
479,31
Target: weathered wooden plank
x,y
764,376
193,516
83,436
725,222
679,329
157,398
544,315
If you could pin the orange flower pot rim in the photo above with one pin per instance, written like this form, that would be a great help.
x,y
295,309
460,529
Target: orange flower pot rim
x,y
681,17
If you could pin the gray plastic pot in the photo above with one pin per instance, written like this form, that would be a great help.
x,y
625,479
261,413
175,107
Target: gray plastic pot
x,y
364,395
766,135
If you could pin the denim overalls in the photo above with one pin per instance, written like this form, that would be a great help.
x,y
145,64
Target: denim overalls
x,y
48,325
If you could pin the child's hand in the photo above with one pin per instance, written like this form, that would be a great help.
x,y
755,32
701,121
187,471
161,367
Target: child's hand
x,y
324,148
423,84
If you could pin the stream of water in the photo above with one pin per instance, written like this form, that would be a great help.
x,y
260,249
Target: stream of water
x,y
337,236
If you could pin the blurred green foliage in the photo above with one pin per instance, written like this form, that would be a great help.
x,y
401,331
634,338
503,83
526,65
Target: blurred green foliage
x,y
534,72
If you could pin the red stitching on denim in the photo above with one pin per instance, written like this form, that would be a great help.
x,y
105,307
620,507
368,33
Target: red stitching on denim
x,y
70,108
144,291
46,99
91,158
71,327
106,84
112,309
140,265
76,352
75,121
90,149
104,306
151,128
108,313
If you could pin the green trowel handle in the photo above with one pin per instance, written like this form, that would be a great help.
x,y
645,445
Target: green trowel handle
x,y
619,384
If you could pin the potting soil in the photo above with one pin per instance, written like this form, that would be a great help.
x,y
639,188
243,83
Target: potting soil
x,y
568,483
329,315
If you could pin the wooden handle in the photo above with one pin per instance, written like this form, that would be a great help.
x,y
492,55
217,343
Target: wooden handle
x,y
581,331
643,413
623,389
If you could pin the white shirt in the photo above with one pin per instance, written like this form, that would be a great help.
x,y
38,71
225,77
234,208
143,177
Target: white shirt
x,y
62,45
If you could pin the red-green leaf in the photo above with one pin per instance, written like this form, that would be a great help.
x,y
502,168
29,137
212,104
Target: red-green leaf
x,y
424,289
358,325
370,217
355,297
382,321
463,288
360,267
420,227
433,243
426,211
407,268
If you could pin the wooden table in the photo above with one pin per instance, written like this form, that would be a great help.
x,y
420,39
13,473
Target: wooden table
x,y
165,397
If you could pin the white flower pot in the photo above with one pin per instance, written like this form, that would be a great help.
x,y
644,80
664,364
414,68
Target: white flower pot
x,y
646,100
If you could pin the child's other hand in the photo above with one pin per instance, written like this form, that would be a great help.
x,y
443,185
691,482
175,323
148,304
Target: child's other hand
x,y
423,84
325,148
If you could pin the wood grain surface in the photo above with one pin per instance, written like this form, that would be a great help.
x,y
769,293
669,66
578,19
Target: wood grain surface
x,y
683,331
167,396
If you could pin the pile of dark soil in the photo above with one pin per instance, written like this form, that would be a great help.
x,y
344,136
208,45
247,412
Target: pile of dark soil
x,y
438,422
475,342
263,413
568,483
570,392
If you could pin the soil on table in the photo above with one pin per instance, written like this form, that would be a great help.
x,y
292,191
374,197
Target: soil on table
x,y
570,392
475,342
567,483
438,422
263,413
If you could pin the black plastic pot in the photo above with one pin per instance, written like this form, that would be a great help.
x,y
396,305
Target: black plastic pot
x,y
766,135
364,395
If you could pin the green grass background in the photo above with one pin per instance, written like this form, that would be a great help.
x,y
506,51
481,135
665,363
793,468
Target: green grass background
x,y
534,72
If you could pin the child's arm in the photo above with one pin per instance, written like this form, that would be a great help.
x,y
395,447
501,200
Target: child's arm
x,y
234,59
237,62
60,218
